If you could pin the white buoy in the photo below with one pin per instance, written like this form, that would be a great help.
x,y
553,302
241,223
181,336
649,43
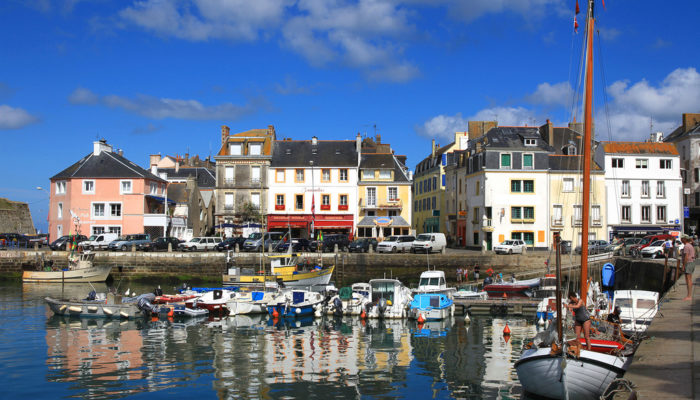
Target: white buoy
x,y
124,314
467,319
62,308
107,311
541,321
75,309
127,292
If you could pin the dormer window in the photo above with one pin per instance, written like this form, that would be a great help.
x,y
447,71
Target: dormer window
x,y
254,149
530,142
234,149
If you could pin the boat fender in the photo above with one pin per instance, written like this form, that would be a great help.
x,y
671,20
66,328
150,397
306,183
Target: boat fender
x,y
92,309
506,330
62,308
541,321
421,319
124,314
107,311
75,309
297,310
467,319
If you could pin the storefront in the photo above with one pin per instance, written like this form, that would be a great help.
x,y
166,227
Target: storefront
x,y
381,227
302,225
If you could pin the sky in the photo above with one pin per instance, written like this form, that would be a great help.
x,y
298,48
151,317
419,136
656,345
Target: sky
x,y
154,76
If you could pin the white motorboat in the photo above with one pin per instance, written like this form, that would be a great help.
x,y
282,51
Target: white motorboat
x,y
433,281
431,307
390,299
637,309
350,300
213,300
80,269
253,302
470,292
295,303
98,305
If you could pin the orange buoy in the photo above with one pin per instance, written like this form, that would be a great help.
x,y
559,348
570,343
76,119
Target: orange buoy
x,y
420,318
171,312
506,330
275,314
506,338
154,318
363,315
505,296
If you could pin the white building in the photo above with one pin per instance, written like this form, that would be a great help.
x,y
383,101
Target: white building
x,y
313,186
643,187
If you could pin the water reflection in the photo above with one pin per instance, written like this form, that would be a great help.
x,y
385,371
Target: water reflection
x,y
256,357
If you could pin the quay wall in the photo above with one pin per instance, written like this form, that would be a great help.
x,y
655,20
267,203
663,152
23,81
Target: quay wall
x,y
350,267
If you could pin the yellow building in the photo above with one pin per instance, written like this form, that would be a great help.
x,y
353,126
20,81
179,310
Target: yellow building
x,y
383,191
565,191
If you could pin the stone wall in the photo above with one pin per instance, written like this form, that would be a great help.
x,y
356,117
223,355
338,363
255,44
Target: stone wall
x,y
15,217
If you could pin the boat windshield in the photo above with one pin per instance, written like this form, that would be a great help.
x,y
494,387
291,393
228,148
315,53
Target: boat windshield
x,y
383,290
623,302
646,303
255,236
429,281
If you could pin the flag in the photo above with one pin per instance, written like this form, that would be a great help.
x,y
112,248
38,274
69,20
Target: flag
x,y
578,10
575,25
320,236
604,5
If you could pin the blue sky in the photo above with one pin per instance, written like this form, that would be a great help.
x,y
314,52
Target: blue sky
x,y
156,76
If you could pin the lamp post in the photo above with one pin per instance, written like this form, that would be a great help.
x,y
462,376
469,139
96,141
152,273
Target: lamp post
x,y
313,203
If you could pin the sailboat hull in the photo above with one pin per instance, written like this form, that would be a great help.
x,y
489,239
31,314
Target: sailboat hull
x,y
586,377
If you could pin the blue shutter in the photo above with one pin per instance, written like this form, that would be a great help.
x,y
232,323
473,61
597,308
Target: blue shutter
x,y
444,159
443,180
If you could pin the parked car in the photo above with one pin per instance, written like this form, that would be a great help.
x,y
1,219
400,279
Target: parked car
x,y
429,243
160,244
124,243
200,243
510,247
363,245
61,243
636,249
565,246
394,244
230,243
594,247
42,239
256,241
298,244
100,241
656,249
329,242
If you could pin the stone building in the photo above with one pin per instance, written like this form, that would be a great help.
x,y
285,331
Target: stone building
x,y
687,140
15,217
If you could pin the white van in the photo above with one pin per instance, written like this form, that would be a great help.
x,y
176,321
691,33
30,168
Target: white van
x,y
100,241
394,244
429,242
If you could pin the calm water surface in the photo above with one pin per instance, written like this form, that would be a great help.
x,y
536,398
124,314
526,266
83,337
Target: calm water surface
x,y
45,356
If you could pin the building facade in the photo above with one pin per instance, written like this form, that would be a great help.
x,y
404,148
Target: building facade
x,y
686,138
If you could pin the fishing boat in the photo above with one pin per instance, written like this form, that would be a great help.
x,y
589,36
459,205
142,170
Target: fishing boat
x,y
637,309
513,288
431,307
254,302
389,299
97,305
549,365
295,303
286,269
80,269
350,300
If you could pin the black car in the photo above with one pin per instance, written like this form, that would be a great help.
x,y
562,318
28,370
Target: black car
x,y
230,244
298,245
329,242
160,244
362,245
60,243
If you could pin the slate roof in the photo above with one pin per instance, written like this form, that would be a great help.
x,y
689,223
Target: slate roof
x,y
678,132
383,161
298,153
438,158
105,165
512,137
205,178
396,221
558,162
639,148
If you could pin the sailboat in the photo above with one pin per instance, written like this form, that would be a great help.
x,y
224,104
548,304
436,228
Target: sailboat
x,y
549,366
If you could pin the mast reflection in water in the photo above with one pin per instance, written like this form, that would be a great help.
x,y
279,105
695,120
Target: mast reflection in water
x,y
254,357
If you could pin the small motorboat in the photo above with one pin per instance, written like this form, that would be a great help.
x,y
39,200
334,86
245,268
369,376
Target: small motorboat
x,y
431,307
637,309
214,301
254,302
470,292
101,305
350,300
179,310
295,303
433,281
514,288
390,299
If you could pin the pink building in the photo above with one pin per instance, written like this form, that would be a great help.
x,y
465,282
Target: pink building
x,y
105,192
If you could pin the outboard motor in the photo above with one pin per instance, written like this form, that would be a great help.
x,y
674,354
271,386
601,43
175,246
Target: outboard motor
x,y
338,307
91,296
158,291
146,306
381,306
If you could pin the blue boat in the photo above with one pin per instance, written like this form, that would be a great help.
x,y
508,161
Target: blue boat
x,y
431,306
295,303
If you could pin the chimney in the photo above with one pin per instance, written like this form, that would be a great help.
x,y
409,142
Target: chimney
x,y
100,146
547,132
154,159
432,149
314,140
358,142
379,138
689,121
225,131
177,167
121,153
271,132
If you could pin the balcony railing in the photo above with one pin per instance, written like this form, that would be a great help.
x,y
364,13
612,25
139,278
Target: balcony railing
x,y
227,182
576,220
390,204
557,221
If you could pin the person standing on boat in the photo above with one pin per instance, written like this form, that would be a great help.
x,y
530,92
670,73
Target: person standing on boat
x,y
459,275
688,264
581,318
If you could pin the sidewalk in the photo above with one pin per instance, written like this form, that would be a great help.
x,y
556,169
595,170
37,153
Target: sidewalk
x,y
666,365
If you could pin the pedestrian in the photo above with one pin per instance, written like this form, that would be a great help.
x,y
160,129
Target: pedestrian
x,y
466,274
459,275
688,264
582,321
614,319
476,272
668,248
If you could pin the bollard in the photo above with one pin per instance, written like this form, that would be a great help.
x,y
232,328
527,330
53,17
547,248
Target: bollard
x,y
170,247
269,248
133,248
36,246
237,249
371,249
335,248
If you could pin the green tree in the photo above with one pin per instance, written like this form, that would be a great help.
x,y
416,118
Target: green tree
x,y
249,212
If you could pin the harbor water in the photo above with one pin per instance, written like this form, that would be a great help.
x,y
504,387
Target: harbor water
x,y
45,356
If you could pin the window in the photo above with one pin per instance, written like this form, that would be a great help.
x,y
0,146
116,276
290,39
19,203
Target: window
x,y
665,164
115,210
696,174
557,212
115,229
59,211
371,197
228,175
661,214
61,187
325,200
645,189
299,175
325,175
228,201
343,175
299,202
642,163
254,149
625,214
530,142
476,187
646,213
595,215
505,160
125,187
98,210
367,174
618,163
88,187
279,200
384,174
393,193
529,238
528,186
625,192
255,199
516,213
154,188
98,230
255,175
660,189
279,176
568,185
59,230
343,200
234,149
529,213
434,205
527,161
435,186
515,186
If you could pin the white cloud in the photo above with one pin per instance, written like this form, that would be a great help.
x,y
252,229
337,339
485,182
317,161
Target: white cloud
x,y
548,94
83,96
474,9
291,86
444,126
15,118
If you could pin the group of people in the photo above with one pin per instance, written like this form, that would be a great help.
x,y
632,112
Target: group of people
x,y
463,274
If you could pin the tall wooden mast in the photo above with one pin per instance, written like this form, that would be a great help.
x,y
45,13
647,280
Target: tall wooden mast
x,y
587,135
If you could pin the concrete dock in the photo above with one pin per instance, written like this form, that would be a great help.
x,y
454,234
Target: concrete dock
x,y
666,366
